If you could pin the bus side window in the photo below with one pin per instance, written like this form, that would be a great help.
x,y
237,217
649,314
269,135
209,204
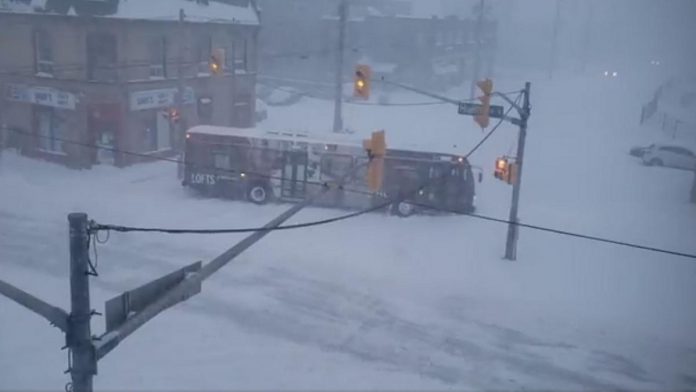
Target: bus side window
x,y
335,166
221,161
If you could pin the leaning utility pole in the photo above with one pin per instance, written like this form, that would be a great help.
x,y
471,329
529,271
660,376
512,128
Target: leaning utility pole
x,y
477,58
513,229
338,105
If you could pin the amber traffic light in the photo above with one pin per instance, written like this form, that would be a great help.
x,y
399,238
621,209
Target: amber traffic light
x,y
217,61
506,170
483,118
376,148
361,84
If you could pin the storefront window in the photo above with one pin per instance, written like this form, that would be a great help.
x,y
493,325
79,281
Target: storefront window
x,y
49,130
156,132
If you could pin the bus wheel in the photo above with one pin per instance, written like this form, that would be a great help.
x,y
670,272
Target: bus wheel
x,y
258,194
404,209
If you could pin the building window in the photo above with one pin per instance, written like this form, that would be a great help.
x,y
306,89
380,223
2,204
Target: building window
x,y
43,53
101,57
49,130
158,58
204,51
242,111
241,56
205,110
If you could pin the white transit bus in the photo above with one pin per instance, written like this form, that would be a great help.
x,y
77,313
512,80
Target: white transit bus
x,y
264,166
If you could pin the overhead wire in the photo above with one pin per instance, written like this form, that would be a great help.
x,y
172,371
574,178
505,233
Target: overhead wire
x,y
558,231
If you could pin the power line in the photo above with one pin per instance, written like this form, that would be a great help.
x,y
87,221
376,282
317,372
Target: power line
x,y
560,232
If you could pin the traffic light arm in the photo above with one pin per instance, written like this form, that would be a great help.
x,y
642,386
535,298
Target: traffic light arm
x,y
419,91
512,103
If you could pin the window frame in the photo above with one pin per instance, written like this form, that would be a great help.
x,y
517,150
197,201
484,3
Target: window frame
x,y
158,67
97,69
43,66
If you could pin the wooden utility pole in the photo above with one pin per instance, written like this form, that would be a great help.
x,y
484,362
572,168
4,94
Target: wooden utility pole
x,y
79,336
513,229
338,104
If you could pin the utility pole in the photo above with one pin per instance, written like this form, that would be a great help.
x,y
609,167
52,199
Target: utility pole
x,y
513,229
693,188
180,127
79,335
587,35
338,105
479,46
554,40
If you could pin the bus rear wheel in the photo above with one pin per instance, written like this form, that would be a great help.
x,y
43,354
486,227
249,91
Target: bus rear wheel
x,y
258,194
403,209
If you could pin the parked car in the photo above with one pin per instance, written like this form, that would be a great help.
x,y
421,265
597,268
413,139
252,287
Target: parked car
x,y
261,110
670,156
639,151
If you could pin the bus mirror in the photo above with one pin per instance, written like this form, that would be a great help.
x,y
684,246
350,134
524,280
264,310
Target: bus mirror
x,y
480,176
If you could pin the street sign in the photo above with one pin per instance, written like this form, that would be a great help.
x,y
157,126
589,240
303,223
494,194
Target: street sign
x,y
473,109
120,308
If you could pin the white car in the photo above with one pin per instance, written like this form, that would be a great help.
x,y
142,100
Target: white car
x,y
669,156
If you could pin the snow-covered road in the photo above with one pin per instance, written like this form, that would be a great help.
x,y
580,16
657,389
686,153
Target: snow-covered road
x,y
380,302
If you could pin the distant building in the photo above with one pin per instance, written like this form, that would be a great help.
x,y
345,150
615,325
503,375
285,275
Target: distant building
x,y
106,73
416,42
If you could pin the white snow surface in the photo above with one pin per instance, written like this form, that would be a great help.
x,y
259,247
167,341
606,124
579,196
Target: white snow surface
x,y
214,12
379,302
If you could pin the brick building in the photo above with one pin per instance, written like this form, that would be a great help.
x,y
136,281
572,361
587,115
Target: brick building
x,y
106,73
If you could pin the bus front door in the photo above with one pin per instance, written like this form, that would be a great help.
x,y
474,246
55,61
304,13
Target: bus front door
x,y
294,181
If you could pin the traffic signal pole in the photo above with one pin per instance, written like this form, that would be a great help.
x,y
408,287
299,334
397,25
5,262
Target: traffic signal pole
x,y
179,127
513,229
338,104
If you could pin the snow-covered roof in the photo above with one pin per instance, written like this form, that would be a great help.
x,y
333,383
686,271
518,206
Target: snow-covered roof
x,y
160,10
318,138
291,136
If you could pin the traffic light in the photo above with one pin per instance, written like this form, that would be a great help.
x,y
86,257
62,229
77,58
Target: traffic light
x,y
506,170
361,85
376,148
217,61
483,118
173,115
501,169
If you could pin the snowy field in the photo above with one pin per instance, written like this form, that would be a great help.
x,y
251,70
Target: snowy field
x,y
379,302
